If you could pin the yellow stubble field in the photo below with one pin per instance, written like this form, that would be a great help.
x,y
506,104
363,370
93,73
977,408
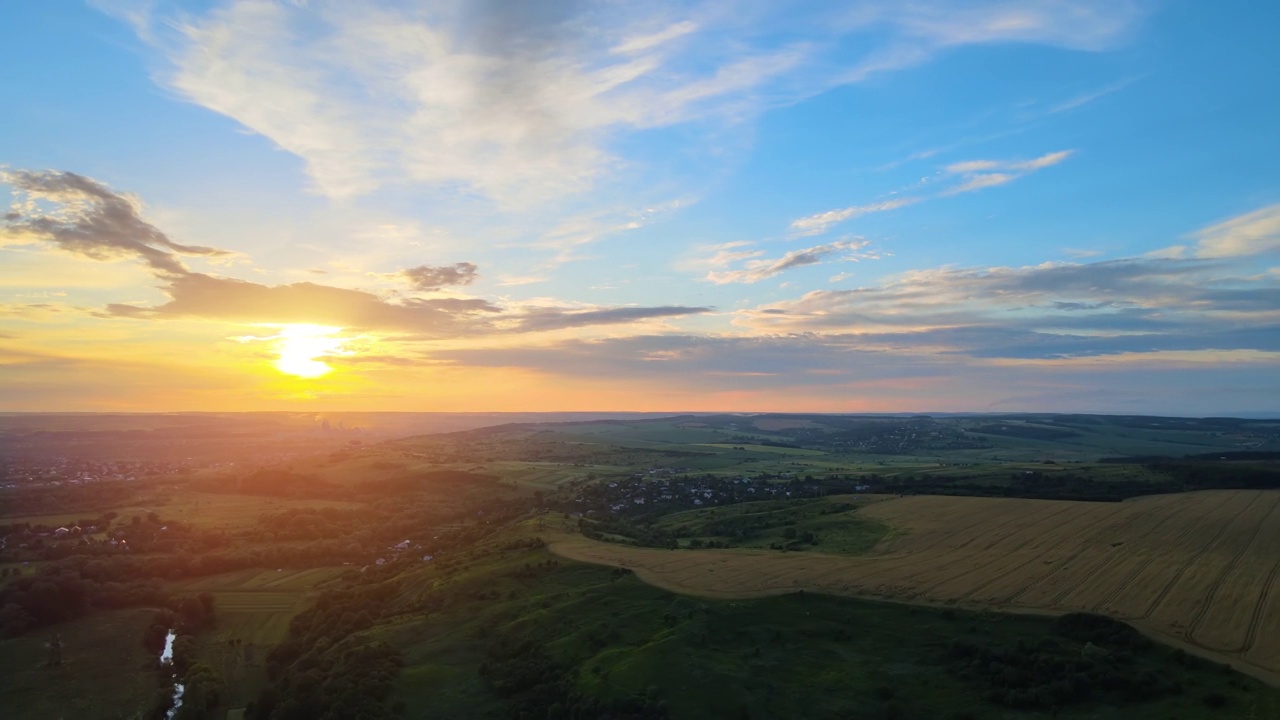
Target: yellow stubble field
x,y
1196,568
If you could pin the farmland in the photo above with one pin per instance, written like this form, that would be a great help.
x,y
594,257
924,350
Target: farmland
x,y
430,551
255,606
1196,568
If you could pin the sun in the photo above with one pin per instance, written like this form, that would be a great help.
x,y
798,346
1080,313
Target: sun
x,y
299,347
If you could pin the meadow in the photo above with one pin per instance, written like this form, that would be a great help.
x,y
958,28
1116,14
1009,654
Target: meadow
x,y
105,671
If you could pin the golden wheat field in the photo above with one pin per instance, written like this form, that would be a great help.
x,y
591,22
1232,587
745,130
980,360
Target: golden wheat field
x,y
1197,568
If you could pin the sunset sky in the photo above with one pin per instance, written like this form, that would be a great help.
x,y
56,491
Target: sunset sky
x,y
998,205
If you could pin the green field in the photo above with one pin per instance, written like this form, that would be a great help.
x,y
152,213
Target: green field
x,y
611,637
545,456
834,523
215,511
106,673
253,610
765,448
255,606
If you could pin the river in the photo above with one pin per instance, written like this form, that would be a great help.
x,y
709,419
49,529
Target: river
x,y
166,658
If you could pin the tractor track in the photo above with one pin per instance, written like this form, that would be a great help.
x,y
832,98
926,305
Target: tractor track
x,y
1062,566
1071,588
1120,586
1070,518
1198,618
1164,592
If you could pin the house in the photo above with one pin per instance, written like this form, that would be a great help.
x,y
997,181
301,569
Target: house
x,y
401,545
61,532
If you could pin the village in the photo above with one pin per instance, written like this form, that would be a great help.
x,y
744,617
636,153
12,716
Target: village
x,y
59,470
661,490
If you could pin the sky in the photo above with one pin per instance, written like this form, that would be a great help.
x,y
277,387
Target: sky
x,y
492,205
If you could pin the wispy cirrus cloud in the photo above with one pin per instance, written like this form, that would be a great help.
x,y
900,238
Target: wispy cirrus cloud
x,y
819,223
518,101
1253,233
957,178
979,174
757,269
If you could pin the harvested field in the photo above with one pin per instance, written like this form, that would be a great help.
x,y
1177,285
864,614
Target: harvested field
x,y
1196,568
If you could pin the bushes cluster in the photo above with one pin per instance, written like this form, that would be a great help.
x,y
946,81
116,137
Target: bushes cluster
x,y
325,668
533,685
1051,674
1100,630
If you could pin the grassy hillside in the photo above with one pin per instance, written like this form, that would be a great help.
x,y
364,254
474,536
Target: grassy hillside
x,y
568,638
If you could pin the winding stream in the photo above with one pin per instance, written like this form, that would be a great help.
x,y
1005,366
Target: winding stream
x,y
166,658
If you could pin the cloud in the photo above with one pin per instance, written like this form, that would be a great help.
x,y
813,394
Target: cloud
x,y
827,361
87,218
510,101
513,280
519,101
1086,98
972,174
570,233
842,373
544,319
196,295
1249,234
763,269
82,216
819,223
724,254
426,277
924,29
1136,305
641,43
979,174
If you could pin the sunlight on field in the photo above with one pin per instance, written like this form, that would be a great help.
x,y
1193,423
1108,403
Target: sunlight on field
x,y
206,510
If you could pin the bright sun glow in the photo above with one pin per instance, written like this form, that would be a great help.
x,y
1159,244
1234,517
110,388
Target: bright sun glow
x,y
300,345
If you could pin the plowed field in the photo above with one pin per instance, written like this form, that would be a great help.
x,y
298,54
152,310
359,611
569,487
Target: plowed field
x,y
1197,568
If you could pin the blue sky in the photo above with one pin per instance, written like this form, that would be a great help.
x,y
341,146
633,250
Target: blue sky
x,y
975,205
